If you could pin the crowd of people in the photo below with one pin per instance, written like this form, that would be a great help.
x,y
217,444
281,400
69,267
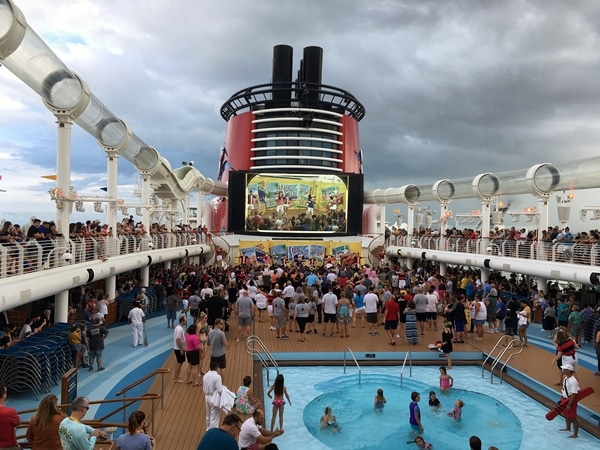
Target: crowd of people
x,y
28,247
332,300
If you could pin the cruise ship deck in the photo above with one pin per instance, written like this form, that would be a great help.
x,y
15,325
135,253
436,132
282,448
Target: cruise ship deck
x,y
180,422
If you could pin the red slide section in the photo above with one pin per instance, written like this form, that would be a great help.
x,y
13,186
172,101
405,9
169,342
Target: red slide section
x,y
560,407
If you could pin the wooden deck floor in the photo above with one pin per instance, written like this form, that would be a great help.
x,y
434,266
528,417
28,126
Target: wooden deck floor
x,y
182,422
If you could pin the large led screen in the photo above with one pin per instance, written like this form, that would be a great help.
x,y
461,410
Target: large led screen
x,y
292,204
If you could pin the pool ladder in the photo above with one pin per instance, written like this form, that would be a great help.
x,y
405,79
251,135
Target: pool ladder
x,y
512,341
407,357
347,349
264,356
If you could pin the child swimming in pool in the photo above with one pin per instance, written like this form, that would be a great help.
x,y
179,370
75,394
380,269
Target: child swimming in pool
x,y
329,422
433,400
421,443
278,402
457,411
379,401
446,381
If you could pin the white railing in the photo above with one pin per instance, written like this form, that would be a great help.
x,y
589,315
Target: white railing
x,y
572,253
33,255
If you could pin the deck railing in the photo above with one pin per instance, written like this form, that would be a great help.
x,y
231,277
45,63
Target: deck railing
x,y
566,252
33,255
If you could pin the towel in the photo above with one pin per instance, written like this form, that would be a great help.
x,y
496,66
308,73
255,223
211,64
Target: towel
x,y
224,400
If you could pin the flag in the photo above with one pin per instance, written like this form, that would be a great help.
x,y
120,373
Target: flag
x,y
49,177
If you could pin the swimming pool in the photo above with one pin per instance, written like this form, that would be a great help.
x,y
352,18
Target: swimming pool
x,y
499,414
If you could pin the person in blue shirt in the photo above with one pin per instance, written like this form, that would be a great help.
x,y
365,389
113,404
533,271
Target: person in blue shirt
x,y
224,437
75,435
562,313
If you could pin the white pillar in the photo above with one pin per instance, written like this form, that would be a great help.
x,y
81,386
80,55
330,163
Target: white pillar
x,y
145,275
110,287
63,207
63,174
200,216
542,210
145,271
185,213
112,168
61,307
542,284
382,219
443,268
146,200
410,217
485,274
443,224
485,226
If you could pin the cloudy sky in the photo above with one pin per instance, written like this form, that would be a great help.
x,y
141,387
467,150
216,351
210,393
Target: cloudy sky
x,y
451,88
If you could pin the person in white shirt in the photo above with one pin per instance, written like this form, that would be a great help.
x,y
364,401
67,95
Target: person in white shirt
x,y
253,436
570,391
206,291
288,293
431,309
371,304
136,320
330,302
261,304
179,347
212,383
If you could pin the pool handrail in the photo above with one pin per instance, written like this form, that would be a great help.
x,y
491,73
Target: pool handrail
x,y
511,344
251,350
407,356
496,359
491,353
347,349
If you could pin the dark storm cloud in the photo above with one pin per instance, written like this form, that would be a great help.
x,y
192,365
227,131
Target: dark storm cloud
x,y
451,88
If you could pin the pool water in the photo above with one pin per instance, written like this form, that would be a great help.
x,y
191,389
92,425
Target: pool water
x,y
499,414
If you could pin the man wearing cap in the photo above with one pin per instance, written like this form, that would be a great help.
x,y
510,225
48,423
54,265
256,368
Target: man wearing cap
x,y
569,391
97,333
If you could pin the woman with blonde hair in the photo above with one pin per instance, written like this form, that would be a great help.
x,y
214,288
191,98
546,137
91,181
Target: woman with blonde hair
x,y
42,431
136,437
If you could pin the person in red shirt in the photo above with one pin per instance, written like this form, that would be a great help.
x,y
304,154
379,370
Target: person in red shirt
x,y
9,419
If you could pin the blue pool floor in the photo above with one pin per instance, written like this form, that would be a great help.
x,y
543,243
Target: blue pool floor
x,y
304,386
